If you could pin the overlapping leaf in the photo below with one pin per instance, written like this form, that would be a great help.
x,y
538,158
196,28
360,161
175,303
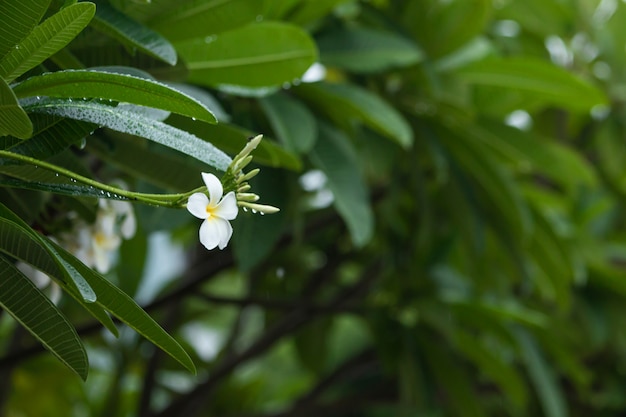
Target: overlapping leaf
x,y
46,39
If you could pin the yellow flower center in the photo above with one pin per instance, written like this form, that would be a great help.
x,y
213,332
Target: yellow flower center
x,y
209,210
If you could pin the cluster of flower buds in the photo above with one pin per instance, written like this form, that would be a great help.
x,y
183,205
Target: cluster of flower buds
x,y
236,179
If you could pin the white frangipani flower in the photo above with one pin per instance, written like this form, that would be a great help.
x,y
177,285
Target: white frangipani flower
x,y
215,211
96,244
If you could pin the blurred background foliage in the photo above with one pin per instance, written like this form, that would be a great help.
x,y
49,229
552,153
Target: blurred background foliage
x,y
451,240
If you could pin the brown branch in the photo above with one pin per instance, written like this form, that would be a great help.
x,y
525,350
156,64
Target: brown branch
x,y
191,403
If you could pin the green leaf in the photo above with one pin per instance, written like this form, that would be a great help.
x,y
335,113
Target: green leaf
x,y
364,50
343,102
334,155
113,86
136,157
309,11
232,139
135,124
52,135
453,379
292,122
257,55
19,17
494,366
454,22
530,151
537,79
46,39
132,34
124,308
15,235
33,310
198,19
541,374
501,198
13,119
21,242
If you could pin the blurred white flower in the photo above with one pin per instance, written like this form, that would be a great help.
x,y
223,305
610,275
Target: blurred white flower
x,y
215,211
96,244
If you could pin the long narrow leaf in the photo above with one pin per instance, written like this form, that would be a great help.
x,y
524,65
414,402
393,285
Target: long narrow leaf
x,y
134,124
113,86
259,55
193,19
19,17
132,34
334,156
124,308
13,119
548,390
21,242
350,102
46,39
33,310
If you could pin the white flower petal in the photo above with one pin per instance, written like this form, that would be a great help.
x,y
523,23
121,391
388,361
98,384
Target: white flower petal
x,y
214,186
210,232
197,205
227,208
226,233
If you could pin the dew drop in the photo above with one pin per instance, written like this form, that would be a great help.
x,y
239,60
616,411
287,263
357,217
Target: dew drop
x,y
17,47
262,213
254,211
245,209
193,118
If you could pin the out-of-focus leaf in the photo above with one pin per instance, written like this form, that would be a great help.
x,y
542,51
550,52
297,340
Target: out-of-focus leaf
x,y
132,34
365,51
492,365
256,235
453,379
232,139
19,17
13,119
532,152
134,156
257,55
541,374
536,78
352,102
113,86
134,124
501,197
199,19
307,12
293,123
454,22
334,156
46,39
33,310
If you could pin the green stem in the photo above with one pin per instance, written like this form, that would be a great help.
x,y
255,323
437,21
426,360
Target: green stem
x,y
163,200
